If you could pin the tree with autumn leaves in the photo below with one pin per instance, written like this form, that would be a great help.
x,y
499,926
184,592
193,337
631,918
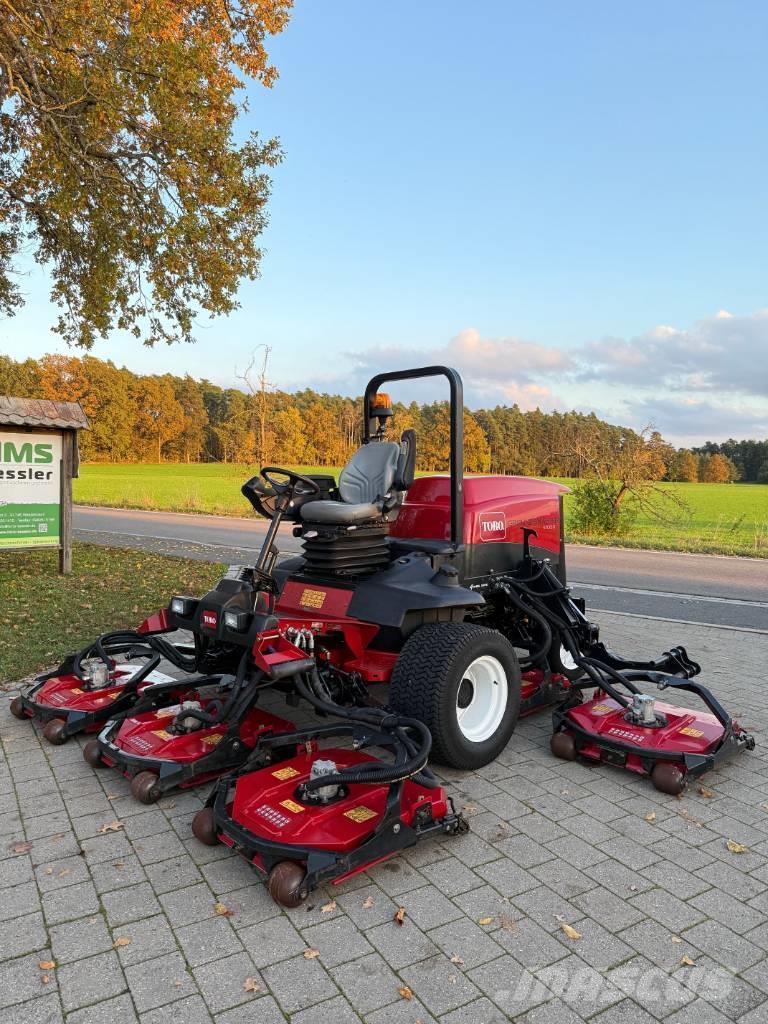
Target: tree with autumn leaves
x,y
119,164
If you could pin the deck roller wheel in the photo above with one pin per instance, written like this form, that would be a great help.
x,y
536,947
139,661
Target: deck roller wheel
x,y
286,884
668,778
145,789
92,754
204,827
55,731
563,745
17,708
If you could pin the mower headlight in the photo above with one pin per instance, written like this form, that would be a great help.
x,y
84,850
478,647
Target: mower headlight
x,y
237,621
183,606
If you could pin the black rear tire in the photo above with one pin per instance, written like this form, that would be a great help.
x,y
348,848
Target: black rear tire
x,y
427,680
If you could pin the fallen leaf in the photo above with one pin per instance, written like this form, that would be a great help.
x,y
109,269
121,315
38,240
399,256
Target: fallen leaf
x,y
311,953
122,941
687,962
47,965
45,978
20,847
64,872
651,816
49,871
111,826
456,959
469,809
223,910
677,939
452,978
706,793
328,908
569,932
251,985
400,915
633,888
406,992
735,847
485,920
368,902
508,923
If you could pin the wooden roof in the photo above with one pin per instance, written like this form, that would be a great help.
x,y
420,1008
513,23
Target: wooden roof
x,y
39,412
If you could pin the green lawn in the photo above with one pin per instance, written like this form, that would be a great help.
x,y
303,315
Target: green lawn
x,y
45,616
723,518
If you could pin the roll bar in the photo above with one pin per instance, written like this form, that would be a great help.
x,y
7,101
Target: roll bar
x,y
457,432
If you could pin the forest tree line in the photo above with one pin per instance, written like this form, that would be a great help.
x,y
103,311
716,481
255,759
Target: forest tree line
x,y
169,418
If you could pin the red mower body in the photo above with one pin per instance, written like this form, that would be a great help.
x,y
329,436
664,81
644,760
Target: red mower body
x,y
496,511
146,736
685,732
265,802
63,695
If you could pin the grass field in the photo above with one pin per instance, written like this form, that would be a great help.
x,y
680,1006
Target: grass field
x,y
44,616
722,519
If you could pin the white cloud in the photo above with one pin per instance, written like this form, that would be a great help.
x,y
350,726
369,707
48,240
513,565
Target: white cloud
x,y
708,381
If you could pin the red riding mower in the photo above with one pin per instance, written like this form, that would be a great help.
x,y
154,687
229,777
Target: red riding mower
x,y
453,592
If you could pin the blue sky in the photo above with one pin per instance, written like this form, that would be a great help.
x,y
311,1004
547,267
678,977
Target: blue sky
x,y
568,201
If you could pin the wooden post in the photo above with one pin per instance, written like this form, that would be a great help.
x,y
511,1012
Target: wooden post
x,y
68,441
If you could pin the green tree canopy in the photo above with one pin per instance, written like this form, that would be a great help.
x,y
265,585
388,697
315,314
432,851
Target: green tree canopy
x,y
118,159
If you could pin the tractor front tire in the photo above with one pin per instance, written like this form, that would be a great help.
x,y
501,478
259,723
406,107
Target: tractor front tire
x,y
17,708
463,682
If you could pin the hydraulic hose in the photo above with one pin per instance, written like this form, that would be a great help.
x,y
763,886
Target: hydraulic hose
x,y
410,759
536,655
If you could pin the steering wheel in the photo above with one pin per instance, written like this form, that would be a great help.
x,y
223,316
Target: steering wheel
x,y
291,483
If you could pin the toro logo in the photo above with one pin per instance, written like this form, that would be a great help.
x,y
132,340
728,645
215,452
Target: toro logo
x,y
493,526
210,619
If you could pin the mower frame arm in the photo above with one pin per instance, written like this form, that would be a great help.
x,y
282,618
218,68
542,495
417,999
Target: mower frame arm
x,y
457,432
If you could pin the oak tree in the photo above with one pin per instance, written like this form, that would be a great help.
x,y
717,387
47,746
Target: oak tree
x,y
119,162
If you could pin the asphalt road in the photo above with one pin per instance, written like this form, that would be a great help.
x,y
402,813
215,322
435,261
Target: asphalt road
x,y
707,589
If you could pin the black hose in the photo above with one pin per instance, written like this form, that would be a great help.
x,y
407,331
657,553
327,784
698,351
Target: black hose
x,y
537,654
410,759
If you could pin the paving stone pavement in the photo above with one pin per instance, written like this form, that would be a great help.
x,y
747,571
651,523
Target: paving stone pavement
x,y
673,926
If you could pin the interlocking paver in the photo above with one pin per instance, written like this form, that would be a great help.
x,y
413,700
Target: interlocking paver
x,y
222,983
368,983
80,938
551,843
299,983
90,981
111,1011
191,1010
157,982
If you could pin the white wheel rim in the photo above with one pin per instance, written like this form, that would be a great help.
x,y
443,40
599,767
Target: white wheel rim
x,y
481,699
566,659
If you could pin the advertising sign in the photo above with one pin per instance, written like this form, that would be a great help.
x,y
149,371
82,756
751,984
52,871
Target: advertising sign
x,y
30,489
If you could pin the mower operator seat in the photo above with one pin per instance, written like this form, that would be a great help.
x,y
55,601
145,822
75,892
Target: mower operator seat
x,y
370,485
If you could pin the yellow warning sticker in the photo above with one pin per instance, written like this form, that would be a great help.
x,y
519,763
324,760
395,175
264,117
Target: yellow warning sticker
x,y
214,739
162,733
360,814
166,712
690,731
602,709
285,773
312,598
291,805
75,689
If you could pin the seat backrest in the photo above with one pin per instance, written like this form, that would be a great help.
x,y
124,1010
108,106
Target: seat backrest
x,y
370,472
